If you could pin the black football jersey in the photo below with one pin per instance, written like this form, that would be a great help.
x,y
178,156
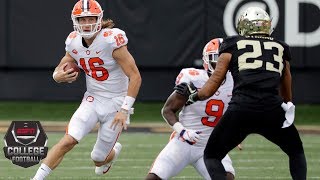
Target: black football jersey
x,y
256,65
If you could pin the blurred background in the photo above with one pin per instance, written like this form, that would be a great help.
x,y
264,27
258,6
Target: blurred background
x,y
164,36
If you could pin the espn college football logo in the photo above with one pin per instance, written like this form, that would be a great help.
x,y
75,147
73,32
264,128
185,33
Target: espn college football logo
x,y
25,143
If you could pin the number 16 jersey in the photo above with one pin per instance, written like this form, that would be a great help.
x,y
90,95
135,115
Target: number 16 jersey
x,y
104,76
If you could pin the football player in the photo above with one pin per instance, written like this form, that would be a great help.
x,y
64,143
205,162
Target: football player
x,y
260,68
195,122
101,51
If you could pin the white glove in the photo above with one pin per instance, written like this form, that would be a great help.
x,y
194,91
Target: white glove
x,y
188,135
289,108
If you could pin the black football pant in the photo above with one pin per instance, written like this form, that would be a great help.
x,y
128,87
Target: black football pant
x,y
235,126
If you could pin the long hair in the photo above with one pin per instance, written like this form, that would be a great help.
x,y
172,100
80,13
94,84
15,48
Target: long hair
x,y
107,23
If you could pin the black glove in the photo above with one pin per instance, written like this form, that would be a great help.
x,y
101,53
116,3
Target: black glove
x,y
185,89
192,98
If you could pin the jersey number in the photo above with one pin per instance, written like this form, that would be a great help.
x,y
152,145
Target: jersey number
x,y
257,52
218,113
119,39
94,69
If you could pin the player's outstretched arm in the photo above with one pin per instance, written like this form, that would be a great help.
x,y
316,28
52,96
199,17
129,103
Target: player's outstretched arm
x,y
215,80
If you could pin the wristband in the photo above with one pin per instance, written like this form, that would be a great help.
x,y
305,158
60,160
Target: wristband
x,y
178,127
124,111
53,75
128,103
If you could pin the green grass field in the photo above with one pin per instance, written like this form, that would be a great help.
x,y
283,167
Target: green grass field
x,y
144,112
259,160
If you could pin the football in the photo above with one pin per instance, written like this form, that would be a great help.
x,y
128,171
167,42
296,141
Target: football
x,y
72,65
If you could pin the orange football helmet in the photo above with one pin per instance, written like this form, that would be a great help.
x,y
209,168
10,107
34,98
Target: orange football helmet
x,y
210,54
85,8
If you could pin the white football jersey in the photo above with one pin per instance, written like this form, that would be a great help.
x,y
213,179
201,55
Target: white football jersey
x,y
204,115
104,76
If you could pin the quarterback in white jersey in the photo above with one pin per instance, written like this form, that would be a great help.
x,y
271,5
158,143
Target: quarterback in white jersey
x,y
101,52
104,76
195,122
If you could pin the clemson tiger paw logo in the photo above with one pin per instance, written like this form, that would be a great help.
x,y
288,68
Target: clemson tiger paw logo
x,y
107,33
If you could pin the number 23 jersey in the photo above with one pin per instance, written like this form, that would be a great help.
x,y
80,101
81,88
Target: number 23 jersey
x,y
257,64
104,76
204,115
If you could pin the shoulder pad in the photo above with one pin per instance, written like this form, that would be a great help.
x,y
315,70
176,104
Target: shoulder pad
x,y
115,37
185,75
70,37
228,43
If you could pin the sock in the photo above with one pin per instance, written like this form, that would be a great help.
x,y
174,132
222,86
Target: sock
x,y
42,172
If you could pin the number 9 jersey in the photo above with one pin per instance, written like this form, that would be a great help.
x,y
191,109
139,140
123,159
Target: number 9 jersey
x,y
104,76
204,115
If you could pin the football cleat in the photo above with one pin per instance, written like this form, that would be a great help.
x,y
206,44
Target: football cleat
x,y
105,168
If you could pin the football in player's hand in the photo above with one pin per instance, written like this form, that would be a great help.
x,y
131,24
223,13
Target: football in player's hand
x,y
72,65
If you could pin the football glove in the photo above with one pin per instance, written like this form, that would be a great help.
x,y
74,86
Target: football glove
x,y
185,89
192,98
289,109
190,136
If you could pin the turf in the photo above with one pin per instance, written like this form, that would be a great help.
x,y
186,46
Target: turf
x,y
144,111
259,160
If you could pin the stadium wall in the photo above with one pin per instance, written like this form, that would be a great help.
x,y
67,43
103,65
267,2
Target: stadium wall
x,y
164,36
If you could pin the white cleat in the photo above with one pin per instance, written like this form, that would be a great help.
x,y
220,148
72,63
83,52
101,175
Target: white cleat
x,y
105,168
